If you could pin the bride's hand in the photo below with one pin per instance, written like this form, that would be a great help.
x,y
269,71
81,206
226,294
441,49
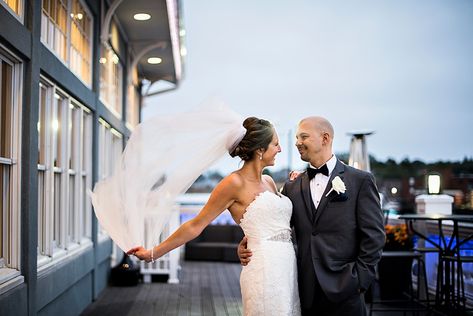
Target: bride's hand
x,y
141,253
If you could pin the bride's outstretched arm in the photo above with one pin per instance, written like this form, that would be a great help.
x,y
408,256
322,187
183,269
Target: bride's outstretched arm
x,y
221,198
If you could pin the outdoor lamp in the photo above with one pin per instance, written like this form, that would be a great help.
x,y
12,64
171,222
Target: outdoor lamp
x,y
433,183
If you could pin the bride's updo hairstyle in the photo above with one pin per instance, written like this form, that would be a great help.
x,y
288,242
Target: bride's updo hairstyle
x,y
259,134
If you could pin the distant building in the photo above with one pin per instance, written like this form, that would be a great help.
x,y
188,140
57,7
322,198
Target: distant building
x,y
71,76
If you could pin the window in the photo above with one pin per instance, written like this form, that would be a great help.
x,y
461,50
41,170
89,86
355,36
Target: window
x,y
66,28
111,75
54,21
10,124
14,6
81,50
110,148
64,173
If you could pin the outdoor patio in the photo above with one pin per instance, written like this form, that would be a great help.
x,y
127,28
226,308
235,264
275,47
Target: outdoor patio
x,y
205,288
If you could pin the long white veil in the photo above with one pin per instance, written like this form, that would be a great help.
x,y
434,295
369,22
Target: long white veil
x,y
162,158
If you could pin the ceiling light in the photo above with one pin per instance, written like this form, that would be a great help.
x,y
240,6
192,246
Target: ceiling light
x,y
154,60
182,32
141,16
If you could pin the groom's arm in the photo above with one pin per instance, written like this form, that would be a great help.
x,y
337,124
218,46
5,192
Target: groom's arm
x,y
293,231
284,192
371,228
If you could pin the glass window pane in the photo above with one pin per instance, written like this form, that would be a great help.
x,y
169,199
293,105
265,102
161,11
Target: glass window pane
x,y
71,211
80,55
111,81
14,5
58,132
42,125
41,213
6,105
45,6
52,9
2,210
74,137
57,209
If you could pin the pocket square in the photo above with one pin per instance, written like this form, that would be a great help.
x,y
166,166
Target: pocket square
x,y
340,198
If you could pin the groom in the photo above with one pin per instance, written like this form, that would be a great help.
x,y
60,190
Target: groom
x,y
338,226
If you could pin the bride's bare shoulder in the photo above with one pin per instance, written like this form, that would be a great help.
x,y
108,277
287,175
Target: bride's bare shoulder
x,y
234,181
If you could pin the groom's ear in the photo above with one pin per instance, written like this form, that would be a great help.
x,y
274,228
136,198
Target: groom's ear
x,y
325,138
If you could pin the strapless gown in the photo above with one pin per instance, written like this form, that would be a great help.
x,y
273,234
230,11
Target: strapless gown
x,y
269,282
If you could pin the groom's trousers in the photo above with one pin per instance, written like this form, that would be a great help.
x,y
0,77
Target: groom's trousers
x,y
322,306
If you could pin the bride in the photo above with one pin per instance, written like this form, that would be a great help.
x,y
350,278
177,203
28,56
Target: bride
x,y
269,284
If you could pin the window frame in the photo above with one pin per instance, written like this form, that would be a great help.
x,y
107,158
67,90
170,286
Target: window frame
x,y
110,143
21,16
67,60
10,266
113,73
68,225
91,40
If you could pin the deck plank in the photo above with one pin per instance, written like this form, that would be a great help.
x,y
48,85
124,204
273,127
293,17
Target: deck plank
x,y
205,288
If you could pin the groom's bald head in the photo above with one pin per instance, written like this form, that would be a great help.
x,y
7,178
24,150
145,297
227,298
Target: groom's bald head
x,y
314,140
320,124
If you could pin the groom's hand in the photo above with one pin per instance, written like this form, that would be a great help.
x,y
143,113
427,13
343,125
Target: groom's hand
x,y
244,253
293,175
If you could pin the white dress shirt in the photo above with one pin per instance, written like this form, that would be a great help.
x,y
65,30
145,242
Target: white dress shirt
x,y
319,182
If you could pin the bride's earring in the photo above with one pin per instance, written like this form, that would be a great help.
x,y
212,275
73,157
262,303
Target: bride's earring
x,y
261,157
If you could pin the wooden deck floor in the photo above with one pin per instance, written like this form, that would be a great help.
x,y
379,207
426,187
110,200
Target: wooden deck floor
x,y
205,288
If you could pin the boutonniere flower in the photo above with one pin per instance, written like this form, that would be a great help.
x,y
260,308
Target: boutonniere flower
x,y
337,186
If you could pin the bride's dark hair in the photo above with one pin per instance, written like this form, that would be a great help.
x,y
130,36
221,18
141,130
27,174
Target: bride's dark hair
x,y
259,134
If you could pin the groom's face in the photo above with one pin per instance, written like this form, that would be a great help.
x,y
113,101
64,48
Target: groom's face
x,y
308,141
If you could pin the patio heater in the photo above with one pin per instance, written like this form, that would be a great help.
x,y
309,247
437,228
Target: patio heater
x,y
359,157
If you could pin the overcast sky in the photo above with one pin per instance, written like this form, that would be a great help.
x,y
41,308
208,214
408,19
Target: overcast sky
x,y
403,69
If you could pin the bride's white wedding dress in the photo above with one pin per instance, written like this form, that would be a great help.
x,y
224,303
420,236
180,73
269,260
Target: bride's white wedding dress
x,y
269,281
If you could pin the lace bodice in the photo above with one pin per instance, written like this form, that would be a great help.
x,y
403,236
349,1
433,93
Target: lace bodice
x,y
267,217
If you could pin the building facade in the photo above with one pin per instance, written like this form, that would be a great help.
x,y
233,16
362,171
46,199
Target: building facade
x,y
71,82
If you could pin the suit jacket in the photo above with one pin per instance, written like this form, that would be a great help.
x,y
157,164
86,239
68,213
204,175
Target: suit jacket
x,y
340,242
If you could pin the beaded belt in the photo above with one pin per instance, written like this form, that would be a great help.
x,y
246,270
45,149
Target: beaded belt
x,y
284,236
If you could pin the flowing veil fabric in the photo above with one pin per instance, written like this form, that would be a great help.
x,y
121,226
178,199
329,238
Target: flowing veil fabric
x,y
162,158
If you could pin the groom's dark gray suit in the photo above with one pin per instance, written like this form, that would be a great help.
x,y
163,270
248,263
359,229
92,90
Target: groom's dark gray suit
x,y
340,242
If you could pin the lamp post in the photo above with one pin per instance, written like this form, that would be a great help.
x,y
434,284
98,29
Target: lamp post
x,y
433,183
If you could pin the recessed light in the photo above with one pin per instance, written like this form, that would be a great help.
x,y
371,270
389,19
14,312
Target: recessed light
x,y
154,60
141,16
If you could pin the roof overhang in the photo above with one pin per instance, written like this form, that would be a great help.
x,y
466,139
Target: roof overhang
x,y
160,36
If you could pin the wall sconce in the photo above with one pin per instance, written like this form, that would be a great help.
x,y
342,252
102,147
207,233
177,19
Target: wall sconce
x,y
433,183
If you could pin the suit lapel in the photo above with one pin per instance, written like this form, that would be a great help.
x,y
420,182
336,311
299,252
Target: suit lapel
x,y
305,191
337,171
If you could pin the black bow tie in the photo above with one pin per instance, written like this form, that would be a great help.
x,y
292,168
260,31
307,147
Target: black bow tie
x,y
312,171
